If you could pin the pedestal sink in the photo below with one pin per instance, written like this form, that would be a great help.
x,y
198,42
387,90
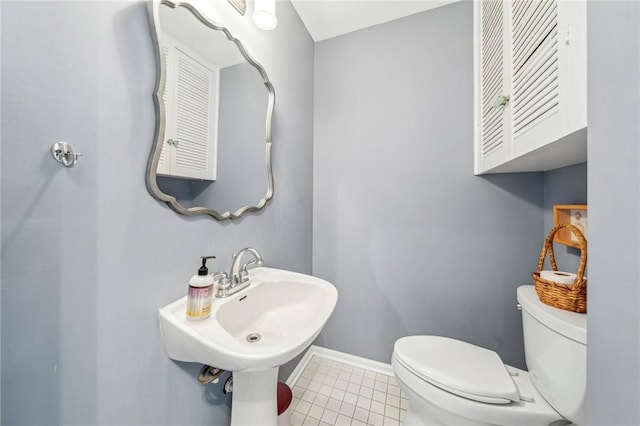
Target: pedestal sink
x,y
252,333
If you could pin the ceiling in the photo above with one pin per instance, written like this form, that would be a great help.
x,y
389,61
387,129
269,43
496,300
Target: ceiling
x,y
329,18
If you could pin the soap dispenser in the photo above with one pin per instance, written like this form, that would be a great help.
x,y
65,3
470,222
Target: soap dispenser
x,y
200,293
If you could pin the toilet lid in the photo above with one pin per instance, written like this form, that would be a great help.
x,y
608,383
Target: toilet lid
x,y
458,367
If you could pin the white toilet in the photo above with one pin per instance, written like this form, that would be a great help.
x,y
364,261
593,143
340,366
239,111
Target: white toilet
x,y
449,382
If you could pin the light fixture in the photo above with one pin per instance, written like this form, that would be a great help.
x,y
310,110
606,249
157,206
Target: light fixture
x,y
239,5
264,14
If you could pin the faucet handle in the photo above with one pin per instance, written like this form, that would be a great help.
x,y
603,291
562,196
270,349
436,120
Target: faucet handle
x,y
219,276
224,284
252,263
222,280
244,271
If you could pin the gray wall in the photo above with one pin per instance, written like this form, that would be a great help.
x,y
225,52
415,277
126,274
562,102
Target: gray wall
x,y
242,177
567,185
614,207
88,256
415,243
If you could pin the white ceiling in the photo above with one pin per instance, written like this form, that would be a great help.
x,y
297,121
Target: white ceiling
x,y
329,18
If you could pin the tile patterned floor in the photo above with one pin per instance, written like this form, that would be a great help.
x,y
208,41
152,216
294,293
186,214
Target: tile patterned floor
x,y
332,393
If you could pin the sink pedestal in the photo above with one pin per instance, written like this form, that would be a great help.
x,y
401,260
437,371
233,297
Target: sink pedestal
x,y
254,398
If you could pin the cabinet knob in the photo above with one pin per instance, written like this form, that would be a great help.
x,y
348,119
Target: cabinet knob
x,y
500,101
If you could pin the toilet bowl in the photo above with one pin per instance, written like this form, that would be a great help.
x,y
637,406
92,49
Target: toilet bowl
x,y
450,382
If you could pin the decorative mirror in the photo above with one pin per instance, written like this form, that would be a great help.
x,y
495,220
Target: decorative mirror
x,y
212,148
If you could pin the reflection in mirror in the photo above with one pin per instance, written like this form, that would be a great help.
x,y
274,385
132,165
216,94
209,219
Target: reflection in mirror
x,y
212,150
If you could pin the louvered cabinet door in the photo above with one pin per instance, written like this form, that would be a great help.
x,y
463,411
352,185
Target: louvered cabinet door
x,y
530,84
492,86
548,50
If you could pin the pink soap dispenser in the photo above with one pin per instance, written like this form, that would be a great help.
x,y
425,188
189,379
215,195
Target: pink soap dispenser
x,y
200,293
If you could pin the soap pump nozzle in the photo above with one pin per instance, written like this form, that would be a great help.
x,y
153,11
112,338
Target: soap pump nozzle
x,y
203,269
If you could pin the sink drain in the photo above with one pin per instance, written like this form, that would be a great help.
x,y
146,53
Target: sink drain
x,y
253,337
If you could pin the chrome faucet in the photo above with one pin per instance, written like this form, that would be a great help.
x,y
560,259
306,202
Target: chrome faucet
x,y
238,277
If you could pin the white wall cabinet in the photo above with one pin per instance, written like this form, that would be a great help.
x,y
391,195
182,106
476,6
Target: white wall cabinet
x,y
191,101
530,84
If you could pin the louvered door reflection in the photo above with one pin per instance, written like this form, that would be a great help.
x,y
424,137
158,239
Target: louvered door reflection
x,y
164,164
194,118
191,105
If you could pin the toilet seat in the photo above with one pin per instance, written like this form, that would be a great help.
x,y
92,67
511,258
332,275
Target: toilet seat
x,y
458,367
431,403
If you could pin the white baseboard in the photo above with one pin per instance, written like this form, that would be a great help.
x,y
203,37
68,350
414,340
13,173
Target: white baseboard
x,y
356,361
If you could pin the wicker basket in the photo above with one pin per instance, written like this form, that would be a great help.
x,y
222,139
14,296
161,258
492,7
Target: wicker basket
x,y
571,298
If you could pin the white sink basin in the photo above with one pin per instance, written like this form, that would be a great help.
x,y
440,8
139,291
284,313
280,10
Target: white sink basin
x,y
263,326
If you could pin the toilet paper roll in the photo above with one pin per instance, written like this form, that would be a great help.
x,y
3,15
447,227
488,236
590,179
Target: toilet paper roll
x,y
559,277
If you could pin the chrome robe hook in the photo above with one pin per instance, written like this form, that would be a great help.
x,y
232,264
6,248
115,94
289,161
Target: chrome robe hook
x,y
64,154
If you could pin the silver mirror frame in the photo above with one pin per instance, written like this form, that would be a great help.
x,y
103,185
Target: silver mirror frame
x,y
152,164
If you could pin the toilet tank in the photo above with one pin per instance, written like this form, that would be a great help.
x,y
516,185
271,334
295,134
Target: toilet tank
x,y
555,347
